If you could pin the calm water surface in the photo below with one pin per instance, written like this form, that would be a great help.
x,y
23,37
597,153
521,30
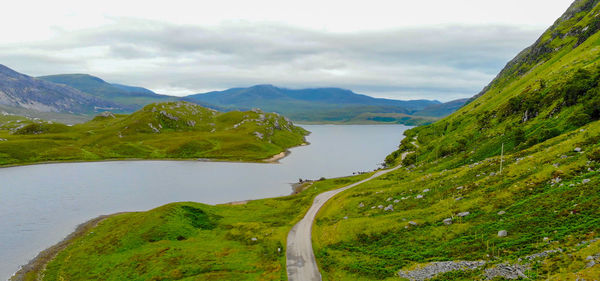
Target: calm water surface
x,y
41,204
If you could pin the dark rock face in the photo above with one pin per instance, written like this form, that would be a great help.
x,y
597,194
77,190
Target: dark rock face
x,y
19,90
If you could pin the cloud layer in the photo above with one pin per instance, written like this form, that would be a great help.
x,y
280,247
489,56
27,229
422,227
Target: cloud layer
x,y
442,62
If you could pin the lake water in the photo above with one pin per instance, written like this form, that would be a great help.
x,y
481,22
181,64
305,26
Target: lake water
x,y
41,204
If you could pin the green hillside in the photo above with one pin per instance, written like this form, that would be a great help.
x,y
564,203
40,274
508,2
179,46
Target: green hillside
x,y
451,202
174,130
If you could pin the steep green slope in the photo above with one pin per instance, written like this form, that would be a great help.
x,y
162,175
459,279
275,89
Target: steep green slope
x,y
452,204
176,130
127,98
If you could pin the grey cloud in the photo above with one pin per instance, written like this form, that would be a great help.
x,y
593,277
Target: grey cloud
x,y
442,62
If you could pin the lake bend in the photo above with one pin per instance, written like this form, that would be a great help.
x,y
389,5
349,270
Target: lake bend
x,y
41,204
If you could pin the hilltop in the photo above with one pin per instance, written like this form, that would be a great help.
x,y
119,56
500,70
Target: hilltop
x,y
172,130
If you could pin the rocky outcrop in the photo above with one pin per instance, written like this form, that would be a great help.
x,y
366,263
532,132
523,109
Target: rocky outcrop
x,y
435,268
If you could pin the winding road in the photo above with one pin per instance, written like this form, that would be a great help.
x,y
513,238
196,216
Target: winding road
x,y
301,263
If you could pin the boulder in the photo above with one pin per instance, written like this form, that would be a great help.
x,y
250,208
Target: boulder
x,y
577,149
502,233
585,181
419,196
426,190
361,205
447,221
463,214
389,208
501,213
412,223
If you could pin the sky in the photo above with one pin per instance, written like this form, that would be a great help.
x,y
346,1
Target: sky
x,y
436,49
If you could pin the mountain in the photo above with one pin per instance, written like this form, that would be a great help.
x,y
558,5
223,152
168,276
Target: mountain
x,y
19,91
312,105
507,186
443,109
129,98
166,130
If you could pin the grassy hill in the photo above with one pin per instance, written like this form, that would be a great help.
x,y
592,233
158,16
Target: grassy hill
x,y
452,204
173,130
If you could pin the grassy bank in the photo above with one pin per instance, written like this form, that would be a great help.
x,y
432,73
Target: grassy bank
x,y
187,241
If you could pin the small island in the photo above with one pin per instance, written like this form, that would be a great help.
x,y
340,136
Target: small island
x,y
169,130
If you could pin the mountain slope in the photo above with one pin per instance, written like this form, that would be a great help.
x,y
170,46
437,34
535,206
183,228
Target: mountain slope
x,y
507,185
21,91
129,98
312,105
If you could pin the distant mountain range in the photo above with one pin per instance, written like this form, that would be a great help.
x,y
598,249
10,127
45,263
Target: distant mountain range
x,y
86,95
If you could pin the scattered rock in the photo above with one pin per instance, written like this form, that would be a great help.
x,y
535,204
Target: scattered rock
x,y
432,269
259,135
506,271
543,254
389,208
463,214
502,233
191,123
447,221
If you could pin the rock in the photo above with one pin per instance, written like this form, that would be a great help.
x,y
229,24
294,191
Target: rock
x,y
426,190
373,207
412,223
577,149
380,207
3,139
389,208
458,199
419,196
396,201
361,205
501,213
346,218
191,123
432,269
389,199
585,181
447,221
107,114
564,157
254,239
589,258
506,271
463,214
502,233
459,188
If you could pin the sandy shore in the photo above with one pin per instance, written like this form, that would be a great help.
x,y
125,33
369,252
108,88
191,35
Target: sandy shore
x,y
38,264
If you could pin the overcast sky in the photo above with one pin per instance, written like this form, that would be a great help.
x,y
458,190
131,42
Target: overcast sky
x,y
435,49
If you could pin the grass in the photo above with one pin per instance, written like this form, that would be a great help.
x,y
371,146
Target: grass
x,y
189,241
539,109
174,130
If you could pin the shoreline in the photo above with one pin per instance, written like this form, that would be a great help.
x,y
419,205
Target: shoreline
x,y
40,261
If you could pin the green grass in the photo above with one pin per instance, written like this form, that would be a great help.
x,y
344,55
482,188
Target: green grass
x,y
189,241
174,130
540,108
